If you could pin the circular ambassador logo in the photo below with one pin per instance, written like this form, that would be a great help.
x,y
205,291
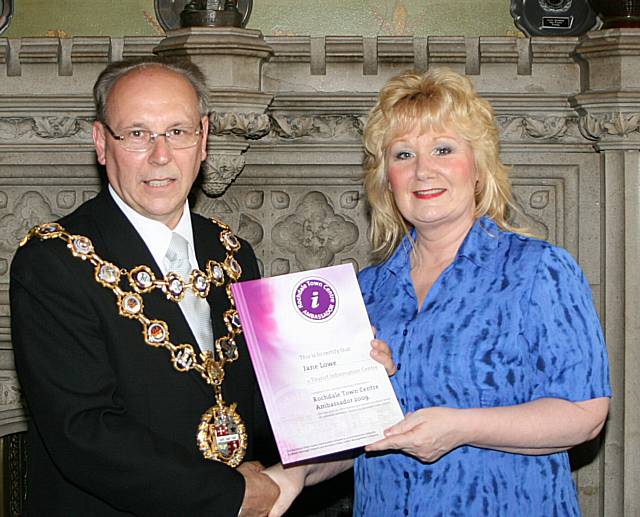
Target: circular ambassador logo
x,y
315,299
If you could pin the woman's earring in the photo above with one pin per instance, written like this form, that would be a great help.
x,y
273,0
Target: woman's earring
x,y
389,186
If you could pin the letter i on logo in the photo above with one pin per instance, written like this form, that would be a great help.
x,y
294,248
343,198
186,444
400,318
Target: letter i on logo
x,y
314,300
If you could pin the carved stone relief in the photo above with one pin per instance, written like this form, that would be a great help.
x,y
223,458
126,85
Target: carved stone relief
x,y
536,211
340,127
541,205
280,266
293,230
219,171
603,125
519,128
314,233
251,230
249,125
26,129
255,126
30,209
348,128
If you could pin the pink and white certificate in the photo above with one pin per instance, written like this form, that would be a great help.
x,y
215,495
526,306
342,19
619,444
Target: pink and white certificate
x,y
309,340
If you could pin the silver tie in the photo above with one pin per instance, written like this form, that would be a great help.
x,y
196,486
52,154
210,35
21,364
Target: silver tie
x,y
195,309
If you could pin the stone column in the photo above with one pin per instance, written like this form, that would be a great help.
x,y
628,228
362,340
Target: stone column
x,y
608,108
232,60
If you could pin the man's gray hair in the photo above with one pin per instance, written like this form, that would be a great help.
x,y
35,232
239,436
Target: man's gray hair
x,y
118,69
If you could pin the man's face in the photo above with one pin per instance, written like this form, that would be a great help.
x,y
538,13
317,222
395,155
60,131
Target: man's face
x,y
156,182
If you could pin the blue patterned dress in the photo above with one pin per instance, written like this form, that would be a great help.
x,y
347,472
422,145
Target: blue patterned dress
x,y
509,321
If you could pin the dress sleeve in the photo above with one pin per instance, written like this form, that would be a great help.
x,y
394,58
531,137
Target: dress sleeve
x,y
566,345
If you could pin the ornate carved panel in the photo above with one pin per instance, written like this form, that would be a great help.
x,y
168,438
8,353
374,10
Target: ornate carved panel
x,y
27,205
296,229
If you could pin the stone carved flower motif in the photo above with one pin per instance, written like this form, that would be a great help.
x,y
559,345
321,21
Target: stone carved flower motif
x,y
15,128
55,127
551,127
343,127
614,124
249,125
314,234
219,171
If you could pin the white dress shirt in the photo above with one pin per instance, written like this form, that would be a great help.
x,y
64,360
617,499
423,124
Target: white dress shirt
x,y
157,237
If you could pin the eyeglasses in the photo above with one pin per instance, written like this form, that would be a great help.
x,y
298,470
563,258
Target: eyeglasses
x,y
144,140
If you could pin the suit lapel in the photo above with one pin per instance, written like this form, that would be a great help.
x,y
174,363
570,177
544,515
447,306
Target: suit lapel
x,y
118,241
205,236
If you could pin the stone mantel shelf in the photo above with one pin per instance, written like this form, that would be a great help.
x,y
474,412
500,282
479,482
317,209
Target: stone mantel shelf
x,y
452,49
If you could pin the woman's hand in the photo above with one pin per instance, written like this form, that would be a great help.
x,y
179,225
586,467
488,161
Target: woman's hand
x,y
542,426
428,434
291,482
381,352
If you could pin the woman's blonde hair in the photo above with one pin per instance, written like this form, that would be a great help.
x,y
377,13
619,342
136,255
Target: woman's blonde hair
x,y
439,99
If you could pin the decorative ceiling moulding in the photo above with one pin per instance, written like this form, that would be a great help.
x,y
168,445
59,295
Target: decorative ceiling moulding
x,y
227,128
87,50
422,51
348,128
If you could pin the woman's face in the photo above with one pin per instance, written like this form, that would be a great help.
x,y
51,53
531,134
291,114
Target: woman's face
x,y
433,177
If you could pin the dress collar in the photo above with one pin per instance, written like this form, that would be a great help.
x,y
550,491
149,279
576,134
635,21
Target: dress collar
x,y
479,246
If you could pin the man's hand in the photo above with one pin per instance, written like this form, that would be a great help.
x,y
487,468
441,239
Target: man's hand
x,y
260,491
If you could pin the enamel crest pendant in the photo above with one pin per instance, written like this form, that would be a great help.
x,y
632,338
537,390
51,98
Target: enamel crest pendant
x,y
222,435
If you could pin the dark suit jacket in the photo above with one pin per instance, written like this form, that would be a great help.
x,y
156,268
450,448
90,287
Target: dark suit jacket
x,y
113,428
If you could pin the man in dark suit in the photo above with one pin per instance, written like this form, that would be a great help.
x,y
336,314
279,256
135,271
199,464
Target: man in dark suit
x,y
109,353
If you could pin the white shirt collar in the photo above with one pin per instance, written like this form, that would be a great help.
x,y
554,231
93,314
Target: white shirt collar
x,y
157,235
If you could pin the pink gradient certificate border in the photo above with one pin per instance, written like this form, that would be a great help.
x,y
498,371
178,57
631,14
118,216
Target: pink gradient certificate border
x,y
322,390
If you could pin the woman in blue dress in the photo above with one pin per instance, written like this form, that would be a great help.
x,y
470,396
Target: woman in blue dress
x,y
501,364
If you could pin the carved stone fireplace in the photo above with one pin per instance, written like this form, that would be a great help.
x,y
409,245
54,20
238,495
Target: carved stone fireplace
x,y
285,158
